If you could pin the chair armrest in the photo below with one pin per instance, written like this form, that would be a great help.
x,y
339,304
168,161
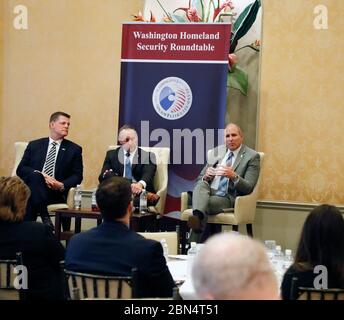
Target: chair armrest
x,y
184,201
70,198
245,208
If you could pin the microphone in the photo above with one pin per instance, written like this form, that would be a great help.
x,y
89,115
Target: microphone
x,y
215,164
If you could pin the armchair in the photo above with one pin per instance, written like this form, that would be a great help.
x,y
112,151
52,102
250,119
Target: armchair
x,y
19,148
243,212
161,176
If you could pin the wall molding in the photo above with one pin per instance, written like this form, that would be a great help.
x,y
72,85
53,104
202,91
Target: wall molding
x,y
290,205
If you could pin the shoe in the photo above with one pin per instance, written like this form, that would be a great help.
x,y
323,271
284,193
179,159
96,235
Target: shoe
x,y
47,221
195,224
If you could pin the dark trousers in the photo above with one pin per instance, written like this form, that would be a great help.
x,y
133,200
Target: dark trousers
x,y
41,197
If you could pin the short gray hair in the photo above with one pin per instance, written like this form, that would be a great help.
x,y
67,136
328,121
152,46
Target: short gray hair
x,y
228,265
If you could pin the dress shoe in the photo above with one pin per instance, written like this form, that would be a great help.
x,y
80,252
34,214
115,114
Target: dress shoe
x,y
47,221
194,223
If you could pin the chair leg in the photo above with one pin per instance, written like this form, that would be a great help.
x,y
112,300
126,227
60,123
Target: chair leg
x,y
235,227
249,229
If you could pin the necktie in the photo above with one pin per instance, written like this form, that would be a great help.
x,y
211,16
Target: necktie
x,y
223,184
127,170
50,160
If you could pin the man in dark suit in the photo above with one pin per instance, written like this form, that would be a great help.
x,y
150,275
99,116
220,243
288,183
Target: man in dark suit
x,y
131,162
232,170
112,248
50,167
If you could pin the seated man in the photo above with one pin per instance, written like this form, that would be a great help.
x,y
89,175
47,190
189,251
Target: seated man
x,y
112,248
232,170
131,162
244,271
50,167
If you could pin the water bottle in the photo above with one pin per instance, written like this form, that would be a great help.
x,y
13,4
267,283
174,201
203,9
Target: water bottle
x,y
143,201
77,197
164,248
278,259
288,259
191,255
94,201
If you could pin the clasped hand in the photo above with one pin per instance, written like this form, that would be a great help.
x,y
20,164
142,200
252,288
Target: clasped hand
x,y
51,182
220,170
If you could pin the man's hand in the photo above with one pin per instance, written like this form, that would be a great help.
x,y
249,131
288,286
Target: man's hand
x,y
51,182
136,188
209,174
225,172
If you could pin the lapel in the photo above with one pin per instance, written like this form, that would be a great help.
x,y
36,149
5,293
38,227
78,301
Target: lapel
x,y
121,160
43,153
240,156
136,159
60,156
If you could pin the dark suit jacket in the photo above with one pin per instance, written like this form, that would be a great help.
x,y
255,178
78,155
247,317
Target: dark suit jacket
x,y
41,255
143,167
112,248
68,167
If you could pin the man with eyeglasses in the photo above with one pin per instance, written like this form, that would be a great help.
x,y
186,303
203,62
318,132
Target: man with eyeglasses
x,y
131,162
232,170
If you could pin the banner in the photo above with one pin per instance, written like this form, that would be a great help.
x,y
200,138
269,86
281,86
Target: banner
x,y
173,90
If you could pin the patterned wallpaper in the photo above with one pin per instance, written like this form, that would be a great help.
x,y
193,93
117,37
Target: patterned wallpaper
x,y
301,103
69,59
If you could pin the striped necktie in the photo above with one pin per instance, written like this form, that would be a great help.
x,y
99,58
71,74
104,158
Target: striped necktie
x,y
223,184
50,160
127,172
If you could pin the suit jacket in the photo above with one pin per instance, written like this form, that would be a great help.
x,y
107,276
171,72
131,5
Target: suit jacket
x,y
246,166
42,253
68,166
143,166
112,248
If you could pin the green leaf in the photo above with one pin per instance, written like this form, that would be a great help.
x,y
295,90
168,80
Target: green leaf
x,y
244,23
238,79
178,18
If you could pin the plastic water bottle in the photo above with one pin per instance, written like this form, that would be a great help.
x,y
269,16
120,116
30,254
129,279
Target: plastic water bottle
x,y
94,201
143,201
164,248
191,255
77,197
288,259
278,259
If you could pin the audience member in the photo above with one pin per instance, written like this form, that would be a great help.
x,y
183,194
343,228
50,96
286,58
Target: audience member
x,y
41,251
232,170
321,244
112,248
50,167
233,267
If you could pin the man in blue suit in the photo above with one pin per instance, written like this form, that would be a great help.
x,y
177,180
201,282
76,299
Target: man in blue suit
x,y
113,249
50,167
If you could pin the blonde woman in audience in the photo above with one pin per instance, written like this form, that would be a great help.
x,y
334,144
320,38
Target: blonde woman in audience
x,y
321,244
234,267
40,249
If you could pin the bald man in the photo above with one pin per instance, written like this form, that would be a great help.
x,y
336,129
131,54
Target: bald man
x,y
243,271
232,170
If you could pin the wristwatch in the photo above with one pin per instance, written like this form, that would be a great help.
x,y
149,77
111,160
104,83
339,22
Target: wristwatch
x,y
62,188
236,178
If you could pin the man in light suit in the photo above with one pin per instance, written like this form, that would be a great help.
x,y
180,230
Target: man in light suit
x,y
131,162
114,249
232,170
50,167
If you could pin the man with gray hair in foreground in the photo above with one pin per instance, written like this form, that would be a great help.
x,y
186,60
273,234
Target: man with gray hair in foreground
x,y
234,267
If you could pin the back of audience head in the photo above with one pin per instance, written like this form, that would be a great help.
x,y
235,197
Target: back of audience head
x,y
14,194
114,198
322,241
234,267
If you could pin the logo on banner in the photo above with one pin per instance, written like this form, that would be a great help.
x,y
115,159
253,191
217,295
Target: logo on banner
x,y
172,98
